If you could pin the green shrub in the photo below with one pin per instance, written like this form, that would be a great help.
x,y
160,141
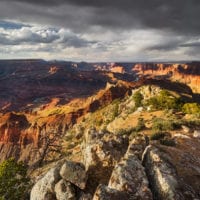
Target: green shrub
x,y
160,124
191,108
165,100
157,136
138,97
168,142
14,183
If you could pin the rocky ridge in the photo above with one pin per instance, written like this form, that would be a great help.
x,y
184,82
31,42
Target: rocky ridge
x,y
148,171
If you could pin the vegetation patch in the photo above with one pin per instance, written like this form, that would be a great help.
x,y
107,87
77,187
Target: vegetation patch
x,y
191,108
165,100
14,183
160,124
138,97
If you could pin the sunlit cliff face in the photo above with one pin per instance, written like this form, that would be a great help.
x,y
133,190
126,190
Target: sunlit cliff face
x,y
184,73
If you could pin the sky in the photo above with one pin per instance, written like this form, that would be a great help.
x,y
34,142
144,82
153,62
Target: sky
x,y
100,30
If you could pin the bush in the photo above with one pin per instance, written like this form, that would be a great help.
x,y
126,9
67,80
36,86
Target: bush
x,y
157,136
138,97
164,100
160,124
191,108
14,183
168,142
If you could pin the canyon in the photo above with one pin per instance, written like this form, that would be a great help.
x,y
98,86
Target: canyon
x,y
80,117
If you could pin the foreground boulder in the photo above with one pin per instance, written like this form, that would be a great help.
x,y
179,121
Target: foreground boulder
x,y
128,179
64,191
101,151
162,175
74,173
129,176
61,182
44,188
103,148
103,192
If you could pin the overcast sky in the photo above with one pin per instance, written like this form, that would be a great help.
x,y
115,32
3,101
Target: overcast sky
x,y
100,30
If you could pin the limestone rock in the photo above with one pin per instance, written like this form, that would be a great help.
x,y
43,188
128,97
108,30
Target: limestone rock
x,y
138,145
101,152
44,188
162,175
85,196
75,173
105,193
129,176
186,129
103,148
64,191
196,134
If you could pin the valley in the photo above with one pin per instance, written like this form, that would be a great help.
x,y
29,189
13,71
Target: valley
x,y
103,130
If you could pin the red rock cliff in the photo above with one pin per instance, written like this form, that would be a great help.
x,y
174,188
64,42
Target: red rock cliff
x,y
185,73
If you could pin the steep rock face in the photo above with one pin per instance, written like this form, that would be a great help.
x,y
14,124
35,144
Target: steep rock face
x,y
23,140
10,127
188,74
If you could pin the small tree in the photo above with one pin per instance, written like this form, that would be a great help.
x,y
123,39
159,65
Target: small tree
x,y
14,183
50,142
138,97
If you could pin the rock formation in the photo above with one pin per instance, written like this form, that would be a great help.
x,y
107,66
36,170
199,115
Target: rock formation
x,y
156,174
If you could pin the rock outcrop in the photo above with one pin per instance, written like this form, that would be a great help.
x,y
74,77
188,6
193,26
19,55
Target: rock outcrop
x,y
44,188
129,177
64,190
188,74
115,170
101,152
74,173
162,175
61,182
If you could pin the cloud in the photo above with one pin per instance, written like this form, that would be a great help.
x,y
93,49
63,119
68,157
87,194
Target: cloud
x,y
106,29
178,16
37,35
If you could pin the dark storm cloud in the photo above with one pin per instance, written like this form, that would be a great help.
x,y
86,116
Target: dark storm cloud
x,y
191,44
85,22
175,15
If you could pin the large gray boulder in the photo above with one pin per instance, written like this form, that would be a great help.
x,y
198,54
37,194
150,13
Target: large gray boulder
x,y
44,188
162,174
75,173
129,176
